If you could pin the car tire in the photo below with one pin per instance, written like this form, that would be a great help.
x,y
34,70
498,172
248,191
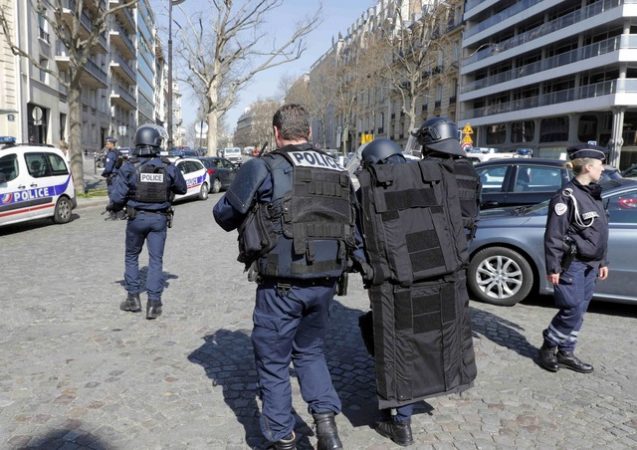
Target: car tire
x,y
216,186
63,210
500,276
203,191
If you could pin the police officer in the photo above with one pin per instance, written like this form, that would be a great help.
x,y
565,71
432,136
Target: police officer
x,y
439,139
412,268
144,186
293,209
111,166
575,246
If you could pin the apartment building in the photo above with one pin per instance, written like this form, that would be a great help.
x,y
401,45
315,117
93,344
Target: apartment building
x,y
547,74
145,63
10,94
377,107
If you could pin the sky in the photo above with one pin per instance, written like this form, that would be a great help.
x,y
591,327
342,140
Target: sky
x,y
337,16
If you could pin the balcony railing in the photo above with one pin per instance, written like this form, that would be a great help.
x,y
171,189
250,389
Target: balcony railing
x,y
580,15
96,71
125,94
575,55
512,10
625,85
125,66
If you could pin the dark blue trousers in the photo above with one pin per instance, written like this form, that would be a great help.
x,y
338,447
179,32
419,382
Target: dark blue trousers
x,y
403,413
572,295
152,228
289,326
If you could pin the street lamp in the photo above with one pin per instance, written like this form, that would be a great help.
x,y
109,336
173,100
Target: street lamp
x,y
169,120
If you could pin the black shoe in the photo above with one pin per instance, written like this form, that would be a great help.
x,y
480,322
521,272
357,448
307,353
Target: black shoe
x,y
287,443
568,360
131,304
399,432
547,358
326,432
153,310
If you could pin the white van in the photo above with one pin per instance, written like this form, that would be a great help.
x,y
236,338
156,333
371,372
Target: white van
x,y
233,154
35,182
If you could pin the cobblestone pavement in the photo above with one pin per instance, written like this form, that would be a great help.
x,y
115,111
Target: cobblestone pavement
x,y
76,372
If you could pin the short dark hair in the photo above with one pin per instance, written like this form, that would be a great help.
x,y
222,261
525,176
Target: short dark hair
x,y
292,121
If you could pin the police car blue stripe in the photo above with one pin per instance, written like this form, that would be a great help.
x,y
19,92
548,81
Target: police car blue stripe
x,y
33,194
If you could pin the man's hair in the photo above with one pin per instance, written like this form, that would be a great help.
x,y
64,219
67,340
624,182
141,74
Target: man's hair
x,y
292,121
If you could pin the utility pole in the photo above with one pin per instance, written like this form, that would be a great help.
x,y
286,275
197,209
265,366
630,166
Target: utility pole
x,y
169,119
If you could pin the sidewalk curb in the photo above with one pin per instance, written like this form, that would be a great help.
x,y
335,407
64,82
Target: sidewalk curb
x,y
85,203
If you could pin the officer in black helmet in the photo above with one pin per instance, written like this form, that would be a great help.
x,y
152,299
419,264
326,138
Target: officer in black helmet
x,y
144,185
575,248
410,250
439,140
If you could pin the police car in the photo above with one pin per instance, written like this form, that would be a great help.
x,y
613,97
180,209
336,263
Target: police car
x,y
196,175
35,182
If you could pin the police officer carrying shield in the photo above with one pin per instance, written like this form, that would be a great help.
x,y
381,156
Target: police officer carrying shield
x,y
414,253
293,209
575,246
144,185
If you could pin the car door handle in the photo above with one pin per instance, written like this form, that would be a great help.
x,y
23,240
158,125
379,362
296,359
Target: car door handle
x,y
34,184
22,186
491,203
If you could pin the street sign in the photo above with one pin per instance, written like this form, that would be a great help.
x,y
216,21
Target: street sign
x,y
37,113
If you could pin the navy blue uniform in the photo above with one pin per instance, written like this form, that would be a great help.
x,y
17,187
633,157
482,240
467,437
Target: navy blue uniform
x,y
110,168
290,315
149,224
585,223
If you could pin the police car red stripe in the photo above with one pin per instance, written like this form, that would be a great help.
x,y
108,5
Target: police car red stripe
x,y
22,210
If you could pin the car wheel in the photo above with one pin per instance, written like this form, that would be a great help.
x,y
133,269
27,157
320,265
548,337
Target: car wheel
x,y
500,276
63,210
203,191
216,186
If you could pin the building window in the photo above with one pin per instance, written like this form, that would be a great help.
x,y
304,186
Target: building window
x,y
496,134
587,129
522,131
43,29
554,129
44,65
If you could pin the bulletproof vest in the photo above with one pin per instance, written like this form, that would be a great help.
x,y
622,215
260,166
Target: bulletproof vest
x,y
468,192
411,221
152,182
307,228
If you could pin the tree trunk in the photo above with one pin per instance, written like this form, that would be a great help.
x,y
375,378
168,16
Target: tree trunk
x,y
412,112
75,138
213,119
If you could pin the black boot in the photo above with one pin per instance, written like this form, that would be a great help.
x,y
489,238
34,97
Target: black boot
x,y
399,432
547,358
287,443
568,360
326,432
131,303
153,310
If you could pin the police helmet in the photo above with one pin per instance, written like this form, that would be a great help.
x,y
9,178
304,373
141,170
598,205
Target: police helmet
x,y
441,135
148,139
377,151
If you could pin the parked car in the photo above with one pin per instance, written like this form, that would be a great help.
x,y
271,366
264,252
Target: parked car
x,y
525,181
35,182
221,172
630,171
197,178
507,254
182,152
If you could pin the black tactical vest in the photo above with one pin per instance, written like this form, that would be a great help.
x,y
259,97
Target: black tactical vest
x,y
468,193
307,229
412,222
152,183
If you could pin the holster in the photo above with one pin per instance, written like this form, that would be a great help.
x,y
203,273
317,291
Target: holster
x,y
570,252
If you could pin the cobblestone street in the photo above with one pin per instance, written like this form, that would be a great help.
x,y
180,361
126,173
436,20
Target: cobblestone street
x,y
76,372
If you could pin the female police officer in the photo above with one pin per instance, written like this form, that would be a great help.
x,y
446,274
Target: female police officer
x,y
575,245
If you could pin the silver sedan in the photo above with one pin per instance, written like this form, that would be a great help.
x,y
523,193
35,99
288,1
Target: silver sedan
x,y
507,254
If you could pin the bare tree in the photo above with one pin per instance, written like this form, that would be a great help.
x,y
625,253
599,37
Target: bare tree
x,y
66,19
414,52
224,48
259,128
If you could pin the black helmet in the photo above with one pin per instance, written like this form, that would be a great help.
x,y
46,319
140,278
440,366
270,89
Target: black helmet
x,y
379,150
148,139
441,135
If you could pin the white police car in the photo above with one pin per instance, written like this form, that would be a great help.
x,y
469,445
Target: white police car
x,y
196,175
35,182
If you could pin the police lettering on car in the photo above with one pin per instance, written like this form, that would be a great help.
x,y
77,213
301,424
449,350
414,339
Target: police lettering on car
x,y
575,247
